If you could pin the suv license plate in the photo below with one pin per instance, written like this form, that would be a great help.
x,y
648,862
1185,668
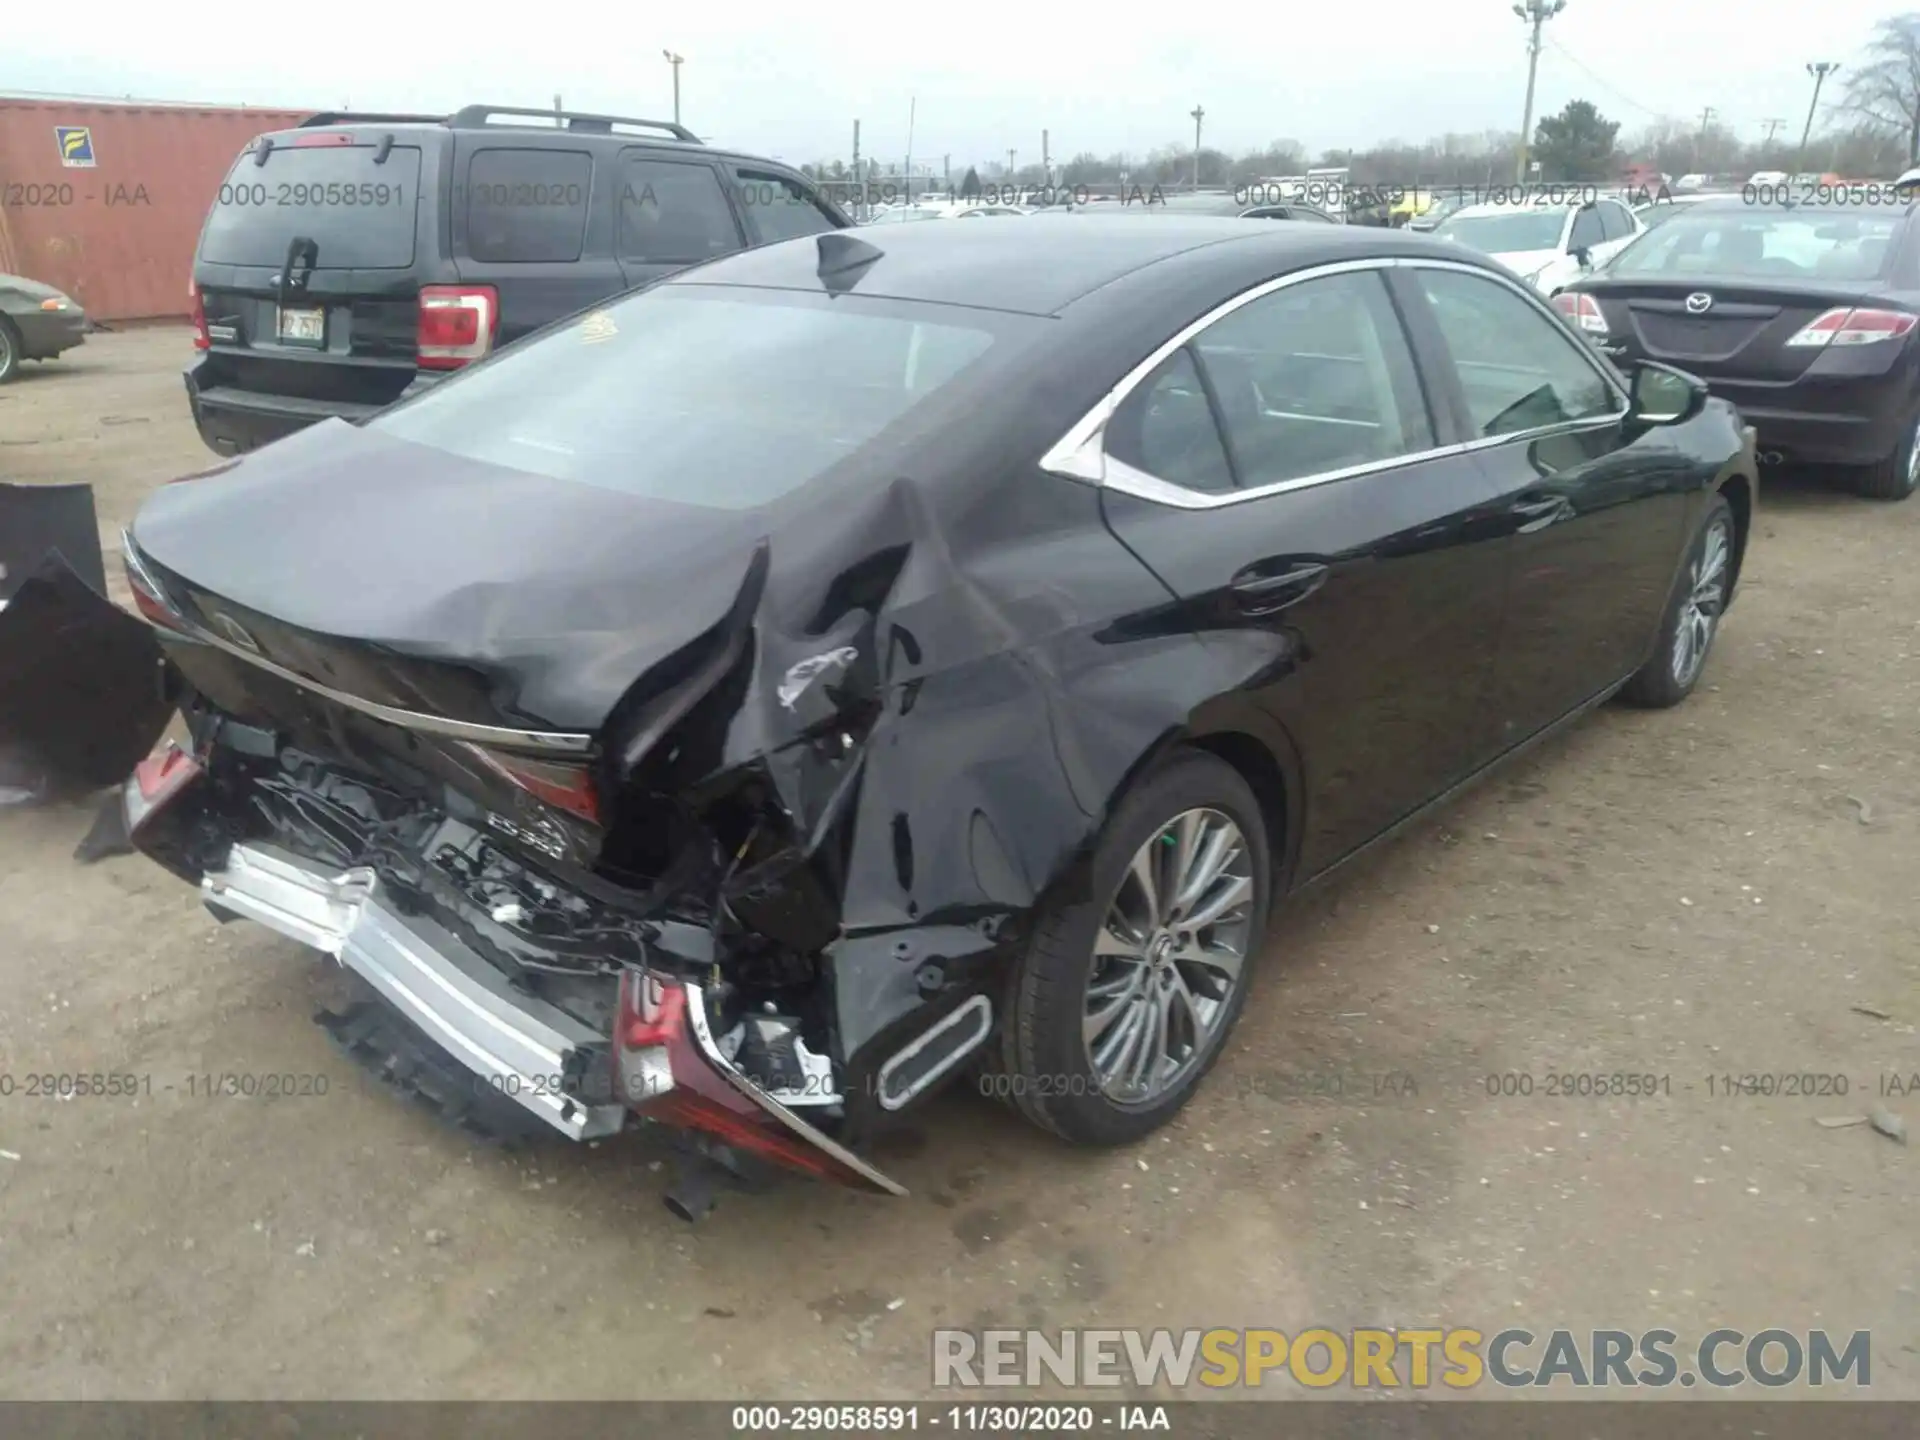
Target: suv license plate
x,y
303,327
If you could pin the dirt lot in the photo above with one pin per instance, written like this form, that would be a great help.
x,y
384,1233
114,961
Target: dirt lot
x,y
1705,892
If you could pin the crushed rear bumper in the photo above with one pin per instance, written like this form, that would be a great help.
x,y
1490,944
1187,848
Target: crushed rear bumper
x,y
511,1043
514,1044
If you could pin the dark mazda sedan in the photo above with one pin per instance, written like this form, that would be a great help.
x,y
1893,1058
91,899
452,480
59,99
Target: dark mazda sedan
x,y
863,662
1803,315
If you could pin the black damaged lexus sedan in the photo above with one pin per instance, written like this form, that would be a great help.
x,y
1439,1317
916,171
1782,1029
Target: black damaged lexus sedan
x,y
873,660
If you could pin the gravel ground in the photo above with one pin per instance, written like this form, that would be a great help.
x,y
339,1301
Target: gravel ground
x,y
1702,893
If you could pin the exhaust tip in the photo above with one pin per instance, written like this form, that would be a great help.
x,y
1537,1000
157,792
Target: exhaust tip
x,y
691,1197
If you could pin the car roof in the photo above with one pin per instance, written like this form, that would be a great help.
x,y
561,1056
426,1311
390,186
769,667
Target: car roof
x,y
1041,269
1829,206
1512,207
521,135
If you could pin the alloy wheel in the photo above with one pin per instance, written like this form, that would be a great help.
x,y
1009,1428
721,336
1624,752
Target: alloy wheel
x,y
1913,458
1706,598
1168,956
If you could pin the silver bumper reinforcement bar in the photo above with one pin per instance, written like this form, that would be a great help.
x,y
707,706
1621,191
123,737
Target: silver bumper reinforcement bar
x,y
513,1042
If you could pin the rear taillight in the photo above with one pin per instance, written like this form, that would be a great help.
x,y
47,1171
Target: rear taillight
x,y
1582,310
1846,326
563,786
149,599
201,339
456,324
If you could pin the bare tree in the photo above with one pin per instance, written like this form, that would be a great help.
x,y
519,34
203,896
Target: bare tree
x,y
1884,89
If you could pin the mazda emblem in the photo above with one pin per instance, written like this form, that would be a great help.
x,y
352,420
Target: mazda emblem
x,y
1699,303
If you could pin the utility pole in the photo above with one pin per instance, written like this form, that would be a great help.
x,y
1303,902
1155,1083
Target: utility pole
x,y
1046,160
1700,143
1819,70
1010,155
1772,126
1536,13
557,108
675,61
859,180
946,174
1198,113
912,104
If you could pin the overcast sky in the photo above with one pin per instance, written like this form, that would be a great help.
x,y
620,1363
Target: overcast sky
x,y
789,80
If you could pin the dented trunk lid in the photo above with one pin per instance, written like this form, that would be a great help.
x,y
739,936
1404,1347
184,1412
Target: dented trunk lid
x,y
431,583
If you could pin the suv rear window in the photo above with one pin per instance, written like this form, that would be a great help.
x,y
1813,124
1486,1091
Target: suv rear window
x,y
747,395
528,205
359,215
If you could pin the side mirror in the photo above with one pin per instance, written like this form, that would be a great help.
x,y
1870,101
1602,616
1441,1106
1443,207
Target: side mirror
x,y
1584,257
1663,395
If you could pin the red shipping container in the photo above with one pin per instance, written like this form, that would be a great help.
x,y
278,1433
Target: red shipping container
x,y
106,201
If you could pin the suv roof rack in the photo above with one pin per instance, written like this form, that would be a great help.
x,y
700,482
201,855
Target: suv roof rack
x,y
476,116
369,117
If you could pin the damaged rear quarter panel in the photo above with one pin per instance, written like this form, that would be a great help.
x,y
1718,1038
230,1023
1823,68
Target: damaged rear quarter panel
x,y
1019,666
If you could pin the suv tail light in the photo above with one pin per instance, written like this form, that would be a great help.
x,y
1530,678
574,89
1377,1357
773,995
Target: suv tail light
x,y
201,339
1846,326
1582,310
456,325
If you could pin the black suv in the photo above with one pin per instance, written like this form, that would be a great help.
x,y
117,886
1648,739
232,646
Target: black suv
x,y
351,261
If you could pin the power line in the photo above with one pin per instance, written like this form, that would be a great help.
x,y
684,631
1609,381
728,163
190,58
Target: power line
x,y
1612,89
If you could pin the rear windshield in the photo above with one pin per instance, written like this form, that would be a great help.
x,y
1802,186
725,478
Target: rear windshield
x,y
358,214
1758,244
1505,234
701,395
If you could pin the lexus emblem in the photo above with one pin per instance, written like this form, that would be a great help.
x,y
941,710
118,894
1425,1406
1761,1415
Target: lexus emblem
x,y
1699,303
231,628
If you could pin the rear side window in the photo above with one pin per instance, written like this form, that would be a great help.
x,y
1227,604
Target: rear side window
x,y
528,205
1166,428
1615,220
778,208
359,214
674,213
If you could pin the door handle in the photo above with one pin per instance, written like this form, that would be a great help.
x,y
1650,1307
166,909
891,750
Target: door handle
x,y
1538,514
1260,594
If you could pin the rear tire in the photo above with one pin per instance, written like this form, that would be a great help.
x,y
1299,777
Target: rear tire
x,y
1693,615
1083,987
1895,477
9,350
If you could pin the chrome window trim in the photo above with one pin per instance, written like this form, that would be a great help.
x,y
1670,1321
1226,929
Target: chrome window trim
x,y
1080,453
554,742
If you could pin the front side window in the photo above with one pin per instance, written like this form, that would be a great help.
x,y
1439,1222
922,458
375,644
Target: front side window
x,y
780,208
1587,230
1313,378
702,395
1519,368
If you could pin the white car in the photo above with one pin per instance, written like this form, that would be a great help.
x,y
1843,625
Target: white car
x,y
1546,244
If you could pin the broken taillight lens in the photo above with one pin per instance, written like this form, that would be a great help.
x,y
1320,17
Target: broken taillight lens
x,y
567,787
